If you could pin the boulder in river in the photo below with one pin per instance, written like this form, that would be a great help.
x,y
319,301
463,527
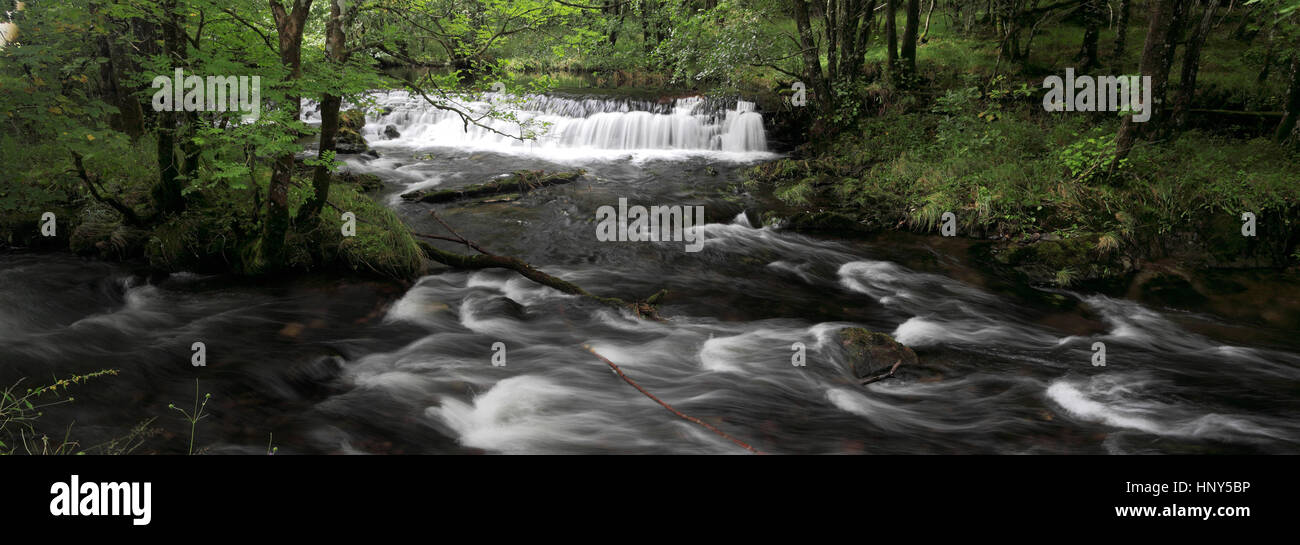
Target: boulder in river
x,y
870,354
349,139
390,132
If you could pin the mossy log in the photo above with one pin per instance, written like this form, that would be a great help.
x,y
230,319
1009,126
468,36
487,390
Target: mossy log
x,y
521,181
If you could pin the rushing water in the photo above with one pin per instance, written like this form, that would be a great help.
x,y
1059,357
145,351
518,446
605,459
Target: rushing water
x,y
333,366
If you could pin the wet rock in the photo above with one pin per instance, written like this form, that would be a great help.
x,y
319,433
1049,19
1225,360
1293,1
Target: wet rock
x,y
390,132
1061,261
367,182
350,142
821,220
349,139
353,120
500,306
1171,290
869,353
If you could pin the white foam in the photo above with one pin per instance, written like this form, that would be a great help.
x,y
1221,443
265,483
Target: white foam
x,y
1122,406
573,129
521,414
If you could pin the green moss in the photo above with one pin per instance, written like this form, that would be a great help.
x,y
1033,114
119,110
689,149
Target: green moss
x,y
382,245
203,238
870,353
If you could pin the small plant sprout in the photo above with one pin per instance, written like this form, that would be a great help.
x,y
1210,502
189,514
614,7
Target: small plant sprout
x,y
193,417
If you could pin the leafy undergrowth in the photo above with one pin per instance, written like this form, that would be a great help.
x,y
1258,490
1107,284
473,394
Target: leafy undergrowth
x,y
219,230
1011,172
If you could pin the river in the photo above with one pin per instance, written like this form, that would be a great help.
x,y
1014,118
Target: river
x,y
327,365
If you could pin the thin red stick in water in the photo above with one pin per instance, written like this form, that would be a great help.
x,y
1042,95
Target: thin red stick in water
x,y
686,417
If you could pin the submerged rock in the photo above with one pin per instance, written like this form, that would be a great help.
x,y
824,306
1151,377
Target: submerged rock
x,y
1169,289
871,354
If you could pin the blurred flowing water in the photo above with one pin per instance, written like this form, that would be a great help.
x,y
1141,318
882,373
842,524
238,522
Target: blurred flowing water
x,y
348,366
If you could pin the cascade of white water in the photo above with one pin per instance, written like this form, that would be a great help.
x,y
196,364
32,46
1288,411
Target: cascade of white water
x,y
688,124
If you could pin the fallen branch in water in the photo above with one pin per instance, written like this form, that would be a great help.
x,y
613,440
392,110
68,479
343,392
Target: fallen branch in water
x,y
487,260
670,408
521,181
884,376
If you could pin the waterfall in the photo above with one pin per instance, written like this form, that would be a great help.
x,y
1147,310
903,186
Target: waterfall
x,y
692,124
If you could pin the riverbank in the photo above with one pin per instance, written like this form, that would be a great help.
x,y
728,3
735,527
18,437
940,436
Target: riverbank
x,y
1034,185
46,207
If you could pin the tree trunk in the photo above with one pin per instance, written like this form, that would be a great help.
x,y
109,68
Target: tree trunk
x,y
830,18
289,28
910,30
891,38
167,193
1121,33
928,13
1288,124
336,54
1155,51
1191,64
1092,15
867,20
130,117
811,60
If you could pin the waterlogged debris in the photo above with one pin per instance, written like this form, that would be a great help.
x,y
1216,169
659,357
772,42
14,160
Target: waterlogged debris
x,y
292,329
873,356
520,181
510,197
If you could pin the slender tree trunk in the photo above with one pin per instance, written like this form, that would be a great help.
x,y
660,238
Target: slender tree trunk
x,y
811,60
910,30
848,32
646,7
1121,33
891,38
1269,57
830,18
289,28
1192,63
167,193
1288,124
336,54
1155,51
1092,16
130,118
929,12
867,16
